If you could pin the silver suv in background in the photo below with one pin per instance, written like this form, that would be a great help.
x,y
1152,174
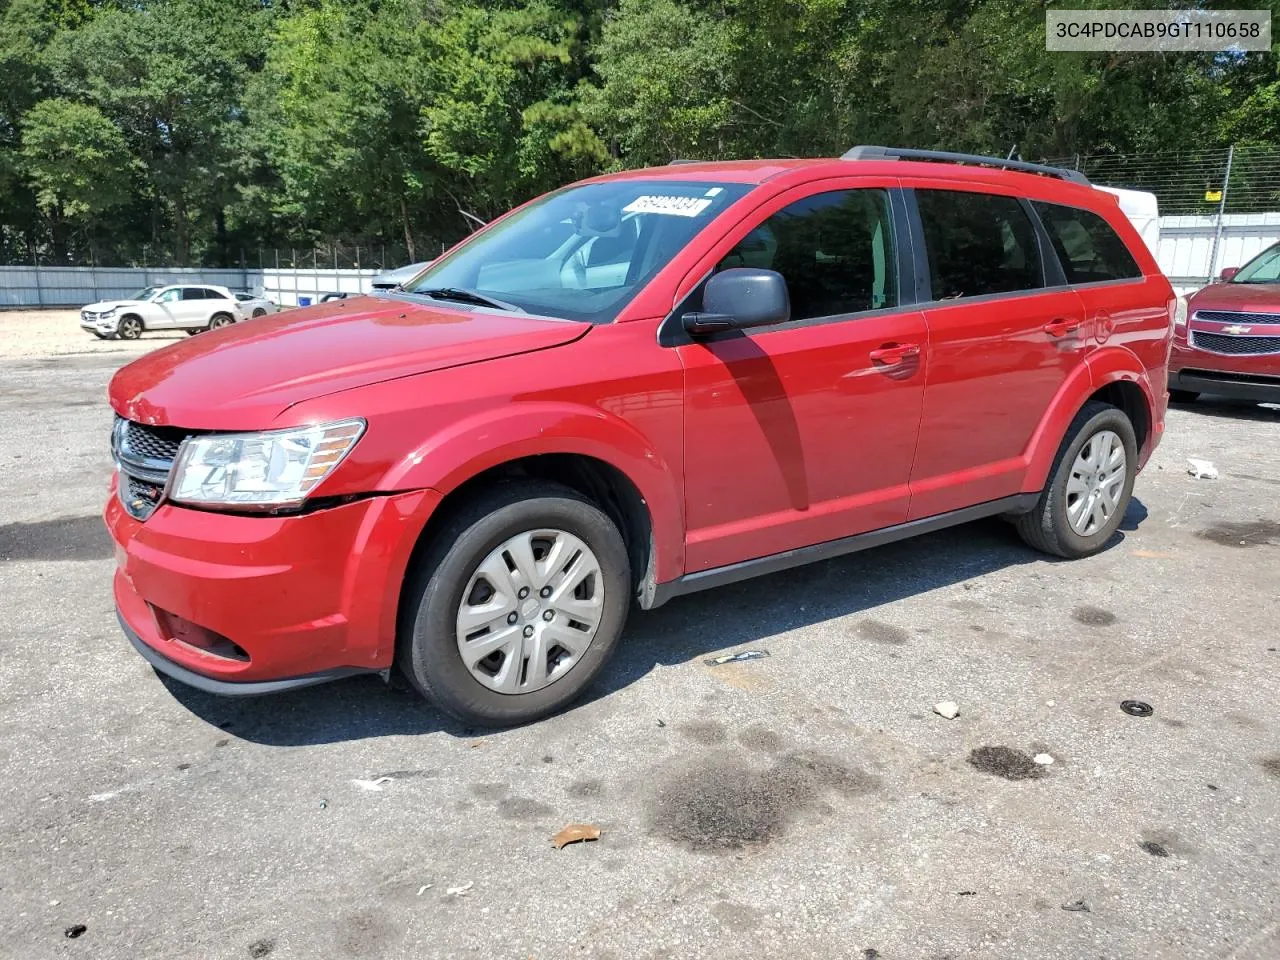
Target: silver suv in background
x,y
177,306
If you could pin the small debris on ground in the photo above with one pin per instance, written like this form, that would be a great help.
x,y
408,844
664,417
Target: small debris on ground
x,y
739,657
475,743
424,888
947,709
575,833
1043,759
966,893
1202,469
1005,762
1137,708
374,785
324,804
661,722
460,891
75,930
1153,848
1076,906
260,948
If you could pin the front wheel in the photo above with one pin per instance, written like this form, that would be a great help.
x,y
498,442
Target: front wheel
x,y
517,605
130,328
1089,485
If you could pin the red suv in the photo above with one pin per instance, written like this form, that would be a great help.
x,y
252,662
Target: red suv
x,y
1228,340
635,387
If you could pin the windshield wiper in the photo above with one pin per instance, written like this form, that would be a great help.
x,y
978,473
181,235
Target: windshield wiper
x,y
467,296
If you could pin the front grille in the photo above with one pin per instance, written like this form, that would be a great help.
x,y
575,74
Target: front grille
x,y
1234,346
1231,316
144,455
152,443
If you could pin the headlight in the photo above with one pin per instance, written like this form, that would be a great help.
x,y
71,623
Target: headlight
x,y
107,314
271,469
1180,316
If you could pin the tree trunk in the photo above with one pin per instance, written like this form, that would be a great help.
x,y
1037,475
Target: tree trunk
x,y
181,240
408,234
220,235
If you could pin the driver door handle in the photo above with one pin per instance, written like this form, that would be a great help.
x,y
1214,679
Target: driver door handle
x,y
1061,326
890,353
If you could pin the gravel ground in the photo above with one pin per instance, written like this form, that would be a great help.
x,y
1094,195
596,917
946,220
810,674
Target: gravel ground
x,y
57,333
806,805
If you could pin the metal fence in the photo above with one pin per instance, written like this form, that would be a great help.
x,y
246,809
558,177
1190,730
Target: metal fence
x,y
1218,208
44,286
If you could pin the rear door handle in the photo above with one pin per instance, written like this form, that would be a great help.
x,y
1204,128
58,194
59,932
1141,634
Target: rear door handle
x,y
895,352
1061,326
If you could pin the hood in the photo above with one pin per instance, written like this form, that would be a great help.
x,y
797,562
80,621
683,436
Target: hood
x,y
243,376
1245,297
102,305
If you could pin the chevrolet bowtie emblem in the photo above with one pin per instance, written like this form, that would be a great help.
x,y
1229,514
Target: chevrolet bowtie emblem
x,y
1236,329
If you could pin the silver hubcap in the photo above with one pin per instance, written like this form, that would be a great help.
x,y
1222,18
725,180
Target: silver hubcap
x,y
530,611
221,322
1096,482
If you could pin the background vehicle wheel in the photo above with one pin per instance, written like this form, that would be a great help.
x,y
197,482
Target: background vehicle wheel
x,y
221,320
516,606
259,312
130,328
1089,485
192,331
1183,396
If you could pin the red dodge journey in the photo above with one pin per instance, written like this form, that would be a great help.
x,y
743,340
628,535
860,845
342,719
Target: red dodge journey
x,y
631,388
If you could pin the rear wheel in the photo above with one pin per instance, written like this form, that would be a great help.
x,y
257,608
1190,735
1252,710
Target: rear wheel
x,y
192,331
221,320
259,312
1183,396
1089,485
130,328
516,607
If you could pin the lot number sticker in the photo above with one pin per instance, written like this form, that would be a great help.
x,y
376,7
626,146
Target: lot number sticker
x,y
668,206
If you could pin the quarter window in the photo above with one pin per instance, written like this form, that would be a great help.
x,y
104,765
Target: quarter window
x,y
1090,251
978,244
834,249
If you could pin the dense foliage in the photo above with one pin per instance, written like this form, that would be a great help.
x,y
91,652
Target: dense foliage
x,y
189,130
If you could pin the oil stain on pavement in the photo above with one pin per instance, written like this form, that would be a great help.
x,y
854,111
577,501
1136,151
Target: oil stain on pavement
x,y
1093,616
1256,533
1005,762
64,538
721,804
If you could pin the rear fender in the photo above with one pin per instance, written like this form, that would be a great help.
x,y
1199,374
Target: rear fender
x,y
468,447
1105,365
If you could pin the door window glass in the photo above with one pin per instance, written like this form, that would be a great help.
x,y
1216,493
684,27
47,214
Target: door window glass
x,y
1090,251
978,244
834,249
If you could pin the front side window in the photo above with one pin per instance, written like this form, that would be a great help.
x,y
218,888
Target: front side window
x,y
834,249
1264,268
1090,251
146,293
581,253
978,244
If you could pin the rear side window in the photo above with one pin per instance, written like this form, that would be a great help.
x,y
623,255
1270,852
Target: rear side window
x,y
192,293
978,244
213,294
834,249
1090,251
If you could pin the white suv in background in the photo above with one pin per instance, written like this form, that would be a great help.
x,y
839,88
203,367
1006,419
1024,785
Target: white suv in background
x,y
177,306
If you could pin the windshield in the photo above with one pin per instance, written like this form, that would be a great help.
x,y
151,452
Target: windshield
x,y
1264,268
581,253
146,293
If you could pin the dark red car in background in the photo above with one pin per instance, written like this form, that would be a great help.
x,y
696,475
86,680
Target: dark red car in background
x,y
1229,341
632,388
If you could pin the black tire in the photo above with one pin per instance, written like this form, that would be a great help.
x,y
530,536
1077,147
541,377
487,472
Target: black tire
x,y
219,320
427,650
192,331
130,327
1045,526
1183,396
259,312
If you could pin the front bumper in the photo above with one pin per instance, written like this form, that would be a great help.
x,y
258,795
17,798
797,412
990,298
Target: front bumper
x,y
238,604
1244,377
104,327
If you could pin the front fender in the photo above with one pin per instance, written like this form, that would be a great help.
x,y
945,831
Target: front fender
x,y
464,448
1105,365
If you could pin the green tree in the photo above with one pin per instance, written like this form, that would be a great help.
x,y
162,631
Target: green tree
x,y
77,161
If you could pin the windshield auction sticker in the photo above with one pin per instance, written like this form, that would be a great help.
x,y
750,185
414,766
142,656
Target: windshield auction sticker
x,y
668,206
1157,31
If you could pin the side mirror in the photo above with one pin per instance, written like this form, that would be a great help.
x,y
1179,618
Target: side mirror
x,y
1227,273
740,298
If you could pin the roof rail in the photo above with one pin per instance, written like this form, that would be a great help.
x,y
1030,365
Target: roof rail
x,y
899,153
